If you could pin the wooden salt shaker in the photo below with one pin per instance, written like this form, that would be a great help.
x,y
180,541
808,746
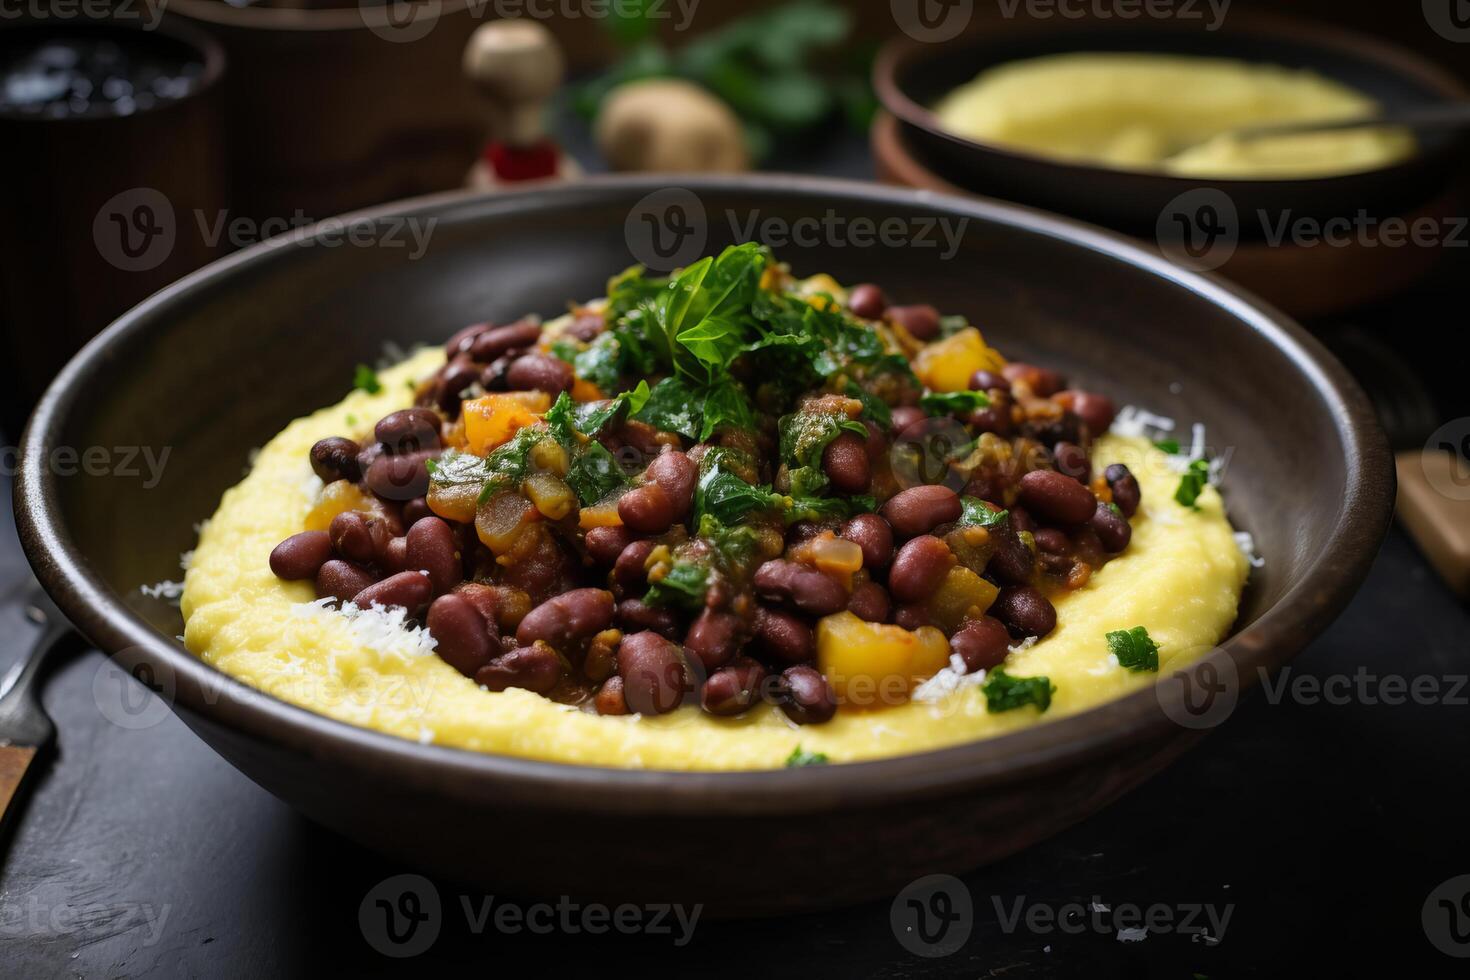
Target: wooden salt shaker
x,y
517,66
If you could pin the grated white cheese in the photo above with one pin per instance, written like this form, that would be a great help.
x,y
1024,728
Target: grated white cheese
x,y
1246,542
383,629
953,677
1134,421
167,590
186,558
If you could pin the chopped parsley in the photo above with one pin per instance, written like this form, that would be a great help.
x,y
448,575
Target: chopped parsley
x,y
1170,446
595,474
1006,693
874,407
953,402
366,379
804,437
726,497
1134,648
978,513
683,587
566,349
1193,483
800,757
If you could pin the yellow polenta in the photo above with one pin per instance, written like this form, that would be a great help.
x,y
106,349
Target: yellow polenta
x,y
1181,578
1171,113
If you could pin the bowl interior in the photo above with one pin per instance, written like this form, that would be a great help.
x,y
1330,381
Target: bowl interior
x,y
218,364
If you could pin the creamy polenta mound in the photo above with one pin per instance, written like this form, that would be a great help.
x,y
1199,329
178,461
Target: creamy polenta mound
x,y
1171,113
721,601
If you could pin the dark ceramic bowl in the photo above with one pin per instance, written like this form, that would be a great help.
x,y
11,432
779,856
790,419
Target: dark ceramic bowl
x,y
910,77
223,359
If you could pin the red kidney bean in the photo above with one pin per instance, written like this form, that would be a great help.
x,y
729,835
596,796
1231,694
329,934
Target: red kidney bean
x,y
782,636
1052,541
1126,493
981,643
410,590
1071,460
432,547
845,461
1011,562
568,618
905,416
869,601
1111,527
605,544
399,477
714,637
919,510
647,509
301,555
808,590
634,615
454,378
462,339
586,327
494,342
921,321
609,699
1057,498
877,442
415,510
493,377
995,417
872,534
409,430
919,568
1043,382
535,668
461,637
539,372
629,571
1096,411
395,556
733,689
984,380
912,615
806,697
654,672
1024,611
1021,520
867,301
335,458
358,537
676,474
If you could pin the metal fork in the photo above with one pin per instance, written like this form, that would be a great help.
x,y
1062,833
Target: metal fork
x,y
26,732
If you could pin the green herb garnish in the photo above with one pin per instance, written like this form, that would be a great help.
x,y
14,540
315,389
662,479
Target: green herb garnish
x,y
726,497
566,349
684,587
1170,446
978,513
953,402
366,379
1193,483
874,407
1006,693
801,757
1134,648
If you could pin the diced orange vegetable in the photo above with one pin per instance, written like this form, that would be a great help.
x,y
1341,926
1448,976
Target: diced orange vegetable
x,y
586,391
553,498
875,664
947,365
599,515
338,498
963,595
500,519
494,419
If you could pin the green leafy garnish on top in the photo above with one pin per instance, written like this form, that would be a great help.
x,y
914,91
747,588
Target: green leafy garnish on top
x,y
1134,648
800,757
1193,483
953,402
1006,693
366,379
979,513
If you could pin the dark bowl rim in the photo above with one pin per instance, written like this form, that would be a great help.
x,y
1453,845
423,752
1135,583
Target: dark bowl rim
x,y
898,52
212,698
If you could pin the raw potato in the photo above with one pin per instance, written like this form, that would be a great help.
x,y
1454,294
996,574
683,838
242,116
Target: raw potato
x,y
1181,578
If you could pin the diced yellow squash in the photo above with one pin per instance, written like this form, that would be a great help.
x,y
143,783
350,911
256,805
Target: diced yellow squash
x,y
494,419
553,498
871,665
338,498
599,515
946,365
963,595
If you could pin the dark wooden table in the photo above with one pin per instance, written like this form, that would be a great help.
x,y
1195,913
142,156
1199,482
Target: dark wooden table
x,y
1318,826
